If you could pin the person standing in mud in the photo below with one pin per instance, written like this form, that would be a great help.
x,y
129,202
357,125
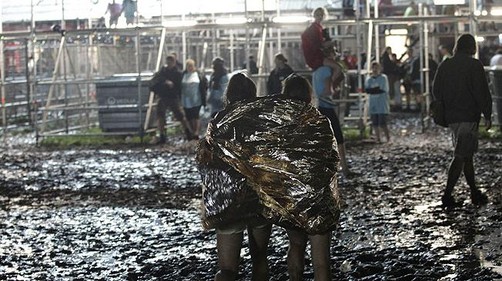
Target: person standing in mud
x,y
460,84
278,74
229,235
298,88
325,80
193,94
217,85
377,86
166,84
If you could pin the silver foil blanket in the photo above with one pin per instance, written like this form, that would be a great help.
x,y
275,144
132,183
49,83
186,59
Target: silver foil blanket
x,y
272,156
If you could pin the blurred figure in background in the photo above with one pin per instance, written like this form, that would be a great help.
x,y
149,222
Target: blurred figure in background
x,y
166,84
444,53
115,10
193,94
496,60
129,8
278,74
217,85
253,67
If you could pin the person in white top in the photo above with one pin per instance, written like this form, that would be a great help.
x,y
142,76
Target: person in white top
x,y
496,60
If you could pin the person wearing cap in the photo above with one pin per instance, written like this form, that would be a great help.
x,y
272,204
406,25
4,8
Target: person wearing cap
x,y
278,74
217,85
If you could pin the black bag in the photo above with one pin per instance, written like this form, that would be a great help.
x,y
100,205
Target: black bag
x,y
437,113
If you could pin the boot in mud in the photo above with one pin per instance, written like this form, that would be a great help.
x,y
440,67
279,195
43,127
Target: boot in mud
x,y
448,201
189,135
479,198
162,139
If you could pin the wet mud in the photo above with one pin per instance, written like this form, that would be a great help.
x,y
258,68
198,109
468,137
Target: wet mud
x,y
132,213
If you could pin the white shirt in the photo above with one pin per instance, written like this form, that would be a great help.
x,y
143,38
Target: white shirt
x,y
496,60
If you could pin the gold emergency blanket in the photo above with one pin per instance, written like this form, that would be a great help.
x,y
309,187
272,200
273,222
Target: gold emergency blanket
x,y
272,156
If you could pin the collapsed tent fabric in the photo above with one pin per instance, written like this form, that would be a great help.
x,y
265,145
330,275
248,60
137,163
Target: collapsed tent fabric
x,y
278,149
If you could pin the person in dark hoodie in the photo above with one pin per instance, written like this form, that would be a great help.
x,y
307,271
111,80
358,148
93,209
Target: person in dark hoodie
x,y
278,74
460,84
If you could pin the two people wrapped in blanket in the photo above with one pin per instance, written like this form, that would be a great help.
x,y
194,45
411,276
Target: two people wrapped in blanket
x,y
270,160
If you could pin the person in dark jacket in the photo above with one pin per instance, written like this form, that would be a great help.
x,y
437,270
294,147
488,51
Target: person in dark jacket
x,y
278,74
460,83
166,84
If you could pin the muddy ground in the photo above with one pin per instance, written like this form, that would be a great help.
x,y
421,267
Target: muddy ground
x,y
132,213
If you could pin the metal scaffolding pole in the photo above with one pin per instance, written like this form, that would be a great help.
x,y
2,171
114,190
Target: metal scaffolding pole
x,y
157,68
2,77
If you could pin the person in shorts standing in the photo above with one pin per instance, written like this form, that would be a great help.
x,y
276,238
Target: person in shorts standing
x,y
460,83
377,85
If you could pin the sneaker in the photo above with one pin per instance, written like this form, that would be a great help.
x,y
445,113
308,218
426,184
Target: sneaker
x,y
479,198
448,201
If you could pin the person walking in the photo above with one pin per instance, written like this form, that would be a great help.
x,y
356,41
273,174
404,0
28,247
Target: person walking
x,y
278,74
193,94
166,84
460,84
496,60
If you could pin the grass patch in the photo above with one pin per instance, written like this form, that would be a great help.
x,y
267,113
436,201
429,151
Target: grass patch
x,y
352,134
494,132
92,137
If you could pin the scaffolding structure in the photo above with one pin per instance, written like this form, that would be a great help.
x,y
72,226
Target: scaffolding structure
x,y
48,79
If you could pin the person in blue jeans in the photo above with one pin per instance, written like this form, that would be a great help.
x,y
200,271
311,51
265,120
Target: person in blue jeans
x,y
377,85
